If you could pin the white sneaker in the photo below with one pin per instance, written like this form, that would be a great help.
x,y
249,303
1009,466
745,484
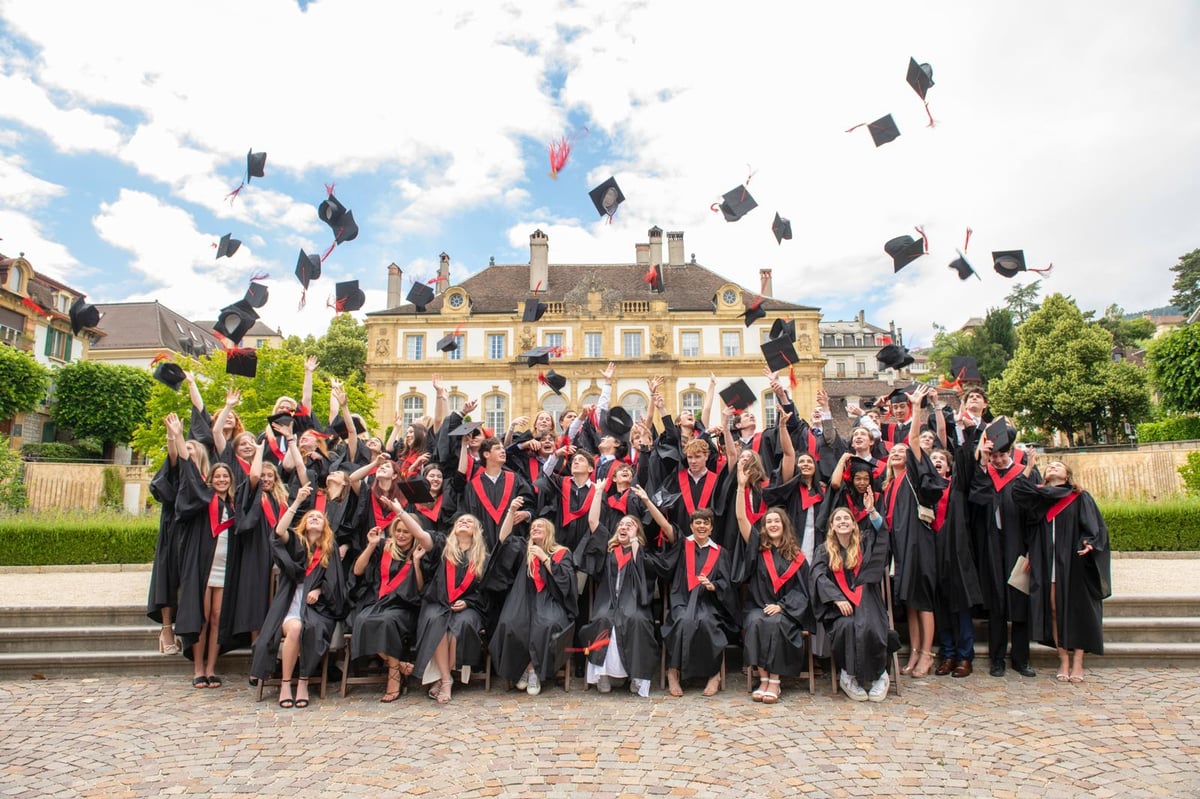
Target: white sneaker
x,y
534,686
523,683
879,688
851,687
604,685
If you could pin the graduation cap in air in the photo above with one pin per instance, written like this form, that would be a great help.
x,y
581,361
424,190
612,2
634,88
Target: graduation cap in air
x,y
420,295
1002,434
737,395
347,296
537,355
241,361
735,204
606,197
754,311
904,250
535,309
552,380
340,221
654,277
308,268
466,428
664,500
618,422
416,489
447,342
893,356
783,328
256,294
882,130
963,267
228,246
169,374
964,367
338,425
920,77
283,418
234,321
779,353
782,228
83,314
1010,263
256,164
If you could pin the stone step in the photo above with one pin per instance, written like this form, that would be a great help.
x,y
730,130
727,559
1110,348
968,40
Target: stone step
x,y
1151,629
1145,655
233,665
75,616
97,638
1147,605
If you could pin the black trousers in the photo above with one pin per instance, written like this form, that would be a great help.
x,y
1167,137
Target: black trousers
x,y
998,638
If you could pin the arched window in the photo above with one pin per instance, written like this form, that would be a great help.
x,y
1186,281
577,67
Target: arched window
x,y
554,403
635,402
495,409
692,401
413,406
591,398
455,402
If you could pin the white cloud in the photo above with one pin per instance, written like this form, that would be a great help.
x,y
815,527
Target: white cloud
x,y
21,189
22,234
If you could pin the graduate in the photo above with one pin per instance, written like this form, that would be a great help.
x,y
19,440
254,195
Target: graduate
x,y
163,596
489,491
849,572
389,576
537,620
310,599
958,588
800,492
433,516
702,619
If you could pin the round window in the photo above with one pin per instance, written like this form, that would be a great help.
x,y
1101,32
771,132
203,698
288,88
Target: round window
x,y
456,300
729,297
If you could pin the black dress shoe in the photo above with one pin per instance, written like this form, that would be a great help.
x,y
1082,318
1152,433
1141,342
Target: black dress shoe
x,y
1024,669
997,669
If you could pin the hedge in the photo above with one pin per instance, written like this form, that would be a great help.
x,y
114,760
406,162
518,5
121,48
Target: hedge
x,y
1165,526
28,539
1171,428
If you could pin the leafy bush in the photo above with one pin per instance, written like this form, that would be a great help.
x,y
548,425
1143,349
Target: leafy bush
x,y
72,539
12,477
1190,472
1165,526
1170,428
54,451
112,494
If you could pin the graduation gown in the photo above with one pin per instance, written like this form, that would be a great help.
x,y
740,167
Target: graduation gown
x,y
435,517
164,573
1004,534
318,620
859,642
1062,520
386,608
488,501
622,606
912,540
776,643
958,579
537,620
700,623
258,514
452,582
801,504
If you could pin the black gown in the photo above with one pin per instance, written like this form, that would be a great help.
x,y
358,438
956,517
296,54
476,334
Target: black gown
x,y
436,619
701,623
385,614
1004,537
164,573
1061,526
912,540
318,620
776,643
859,642
958,577
254,531
537,619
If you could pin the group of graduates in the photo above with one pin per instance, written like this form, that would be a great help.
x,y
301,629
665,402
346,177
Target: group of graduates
x,y
606,546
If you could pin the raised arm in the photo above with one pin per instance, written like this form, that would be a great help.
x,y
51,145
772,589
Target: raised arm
x,y
510,517
360,474
835,479
310,366
441,401
176,446
420,537
256,464
193,390
788,466
915,398
731,456
338,395
520,421
232,398
706,412
743,521
374,537
605,401
664,525
285,520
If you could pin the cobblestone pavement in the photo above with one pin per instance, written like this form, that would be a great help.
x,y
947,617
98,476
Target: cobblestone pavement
x,y
1124,732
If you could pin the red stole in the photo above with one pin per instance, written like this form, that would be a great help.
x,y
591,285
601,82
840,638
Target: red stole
x,y
389,584
321,498
812,444
685,488
858,515
244,464
778,580
939,517
890,496
214,516
755,442
497,513
623,556
689,550
380,519
433,511
855,595
620,505
313,561
535,467
539,582
1061,505
269,512
809,498
751,515
453,592
279,454
406,466
1000,481
569,515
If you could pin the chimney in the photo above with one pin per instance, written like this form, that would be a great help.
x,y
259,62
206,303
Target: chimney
x,y
764,278
643,255
539,261
443,275
862,316
655,234
675,248
395,286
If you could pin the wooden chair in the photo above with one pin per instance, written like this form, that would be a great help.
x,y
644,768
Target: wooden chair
x,y
751,676
662,673
363,679
895,656
276,681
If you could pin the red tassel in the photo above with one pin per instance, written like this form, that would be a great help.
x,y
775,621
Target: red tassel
x,y
325,254
885,340
329,188
260,276
929,114
856,127
792,376
542,378
303,299
715,208
231,196
967,240
162,356
1045,272
33,306
924,238
538,287
560,151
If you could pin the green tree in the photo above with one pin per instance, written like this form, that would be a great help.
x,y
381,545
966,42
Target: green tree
x,y
999,328
22,382
100,400
1062,376
991,345
1022,301
280,373
1175,368
342,351
1187,282
12,477
1125,332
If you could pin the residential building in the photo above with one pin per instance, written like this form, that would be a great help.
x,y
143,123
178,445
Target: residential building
x,y
139,331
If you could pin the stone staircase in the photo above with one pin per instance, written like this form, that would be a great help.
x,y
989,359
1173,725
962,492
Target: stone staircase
x,y
1139,631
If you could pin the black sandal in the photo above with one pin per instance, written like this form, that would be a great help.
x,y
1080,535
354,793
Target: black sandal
x,y
287,704
214,681
301,703
199,682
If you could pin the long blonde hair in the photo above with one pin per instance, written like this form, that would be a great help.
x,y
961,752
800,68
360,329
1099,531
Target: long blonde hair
x,y
278,491
200,458
326,544
832,548
549,545
476,555
891,472
393,545
613,542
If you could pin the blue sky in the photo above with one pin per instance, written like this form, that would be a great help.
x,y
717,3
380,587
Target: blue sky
x,y
1069,130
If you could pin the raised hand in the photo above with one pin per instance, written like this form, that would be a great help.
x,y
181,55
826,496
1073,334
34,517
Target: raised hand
x,y
310,363
232,397
469,406
609,371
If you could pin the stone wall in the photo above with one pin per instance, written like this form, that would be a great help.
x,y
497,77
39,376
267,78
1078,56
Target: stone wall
x,y
77,486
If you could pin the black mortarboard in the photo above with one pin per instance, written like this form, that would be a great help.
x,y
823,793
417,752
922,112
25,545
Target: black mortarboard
x,y
286,417
899,394
883,130
783,328
420,295
347,296
893,356
904,250
738,395
920,77
338,426
1002,434
346,230
308,268
780,353
782,228
754,311
964,367
169,374
1008,262
963,267
866,403
256,294
241,361
858,464
235,321
736,203
255,164
83,314
447,343
535,309
416,489
228,246
537,355
606,197
667,449
554,381
466,428
331,212
618,422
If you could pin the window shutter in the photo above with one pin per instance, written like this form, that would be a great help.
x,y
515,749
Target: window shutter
x,y
49,341
67,348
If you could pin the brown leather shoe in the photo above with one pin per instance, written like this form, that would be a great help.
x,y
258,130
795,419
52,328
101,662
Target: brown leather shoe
x,y
945,667
963,669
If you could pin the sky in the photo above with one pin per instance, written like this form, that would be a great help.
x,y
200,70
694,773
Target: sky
x,y
1069,130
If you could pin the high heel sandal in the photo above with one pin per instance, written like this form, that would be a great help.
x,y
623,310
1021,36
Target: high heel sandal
x,y
771,697
914,656
761,690
394,674
171,648
918,673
